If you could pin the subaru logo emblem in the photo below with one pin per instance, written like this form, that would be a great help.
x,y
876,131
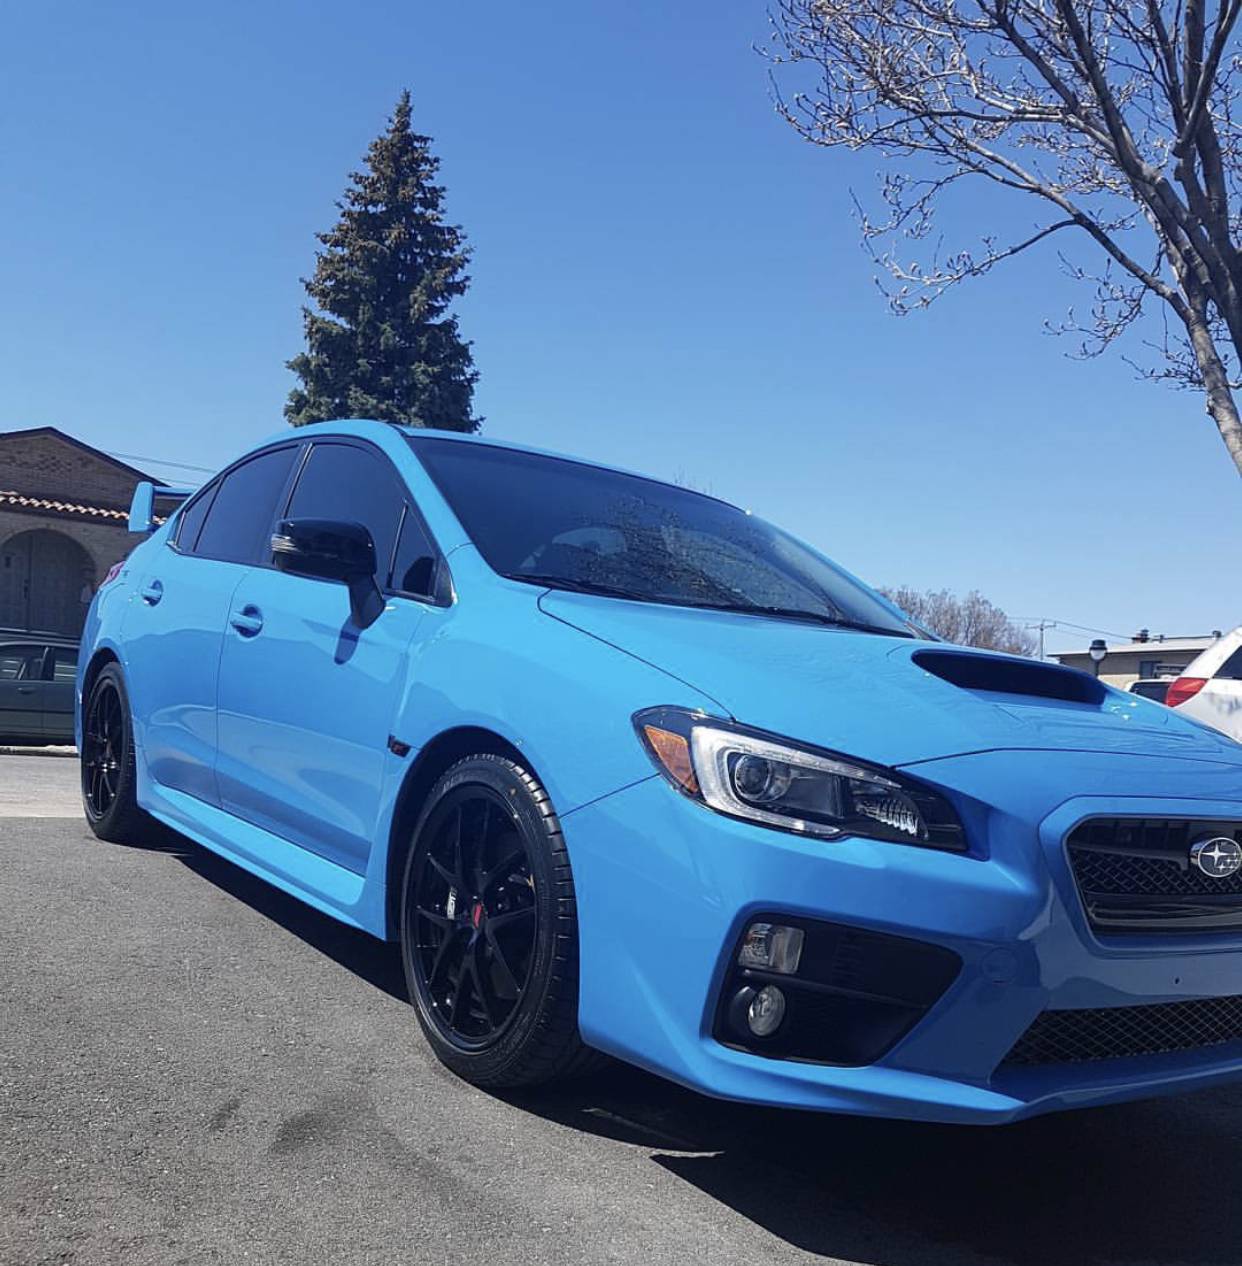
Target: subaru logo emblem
x,y
1217,856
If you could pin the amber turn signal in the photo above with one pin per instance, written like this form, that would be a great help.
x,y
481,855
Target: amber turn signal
x,y
673,752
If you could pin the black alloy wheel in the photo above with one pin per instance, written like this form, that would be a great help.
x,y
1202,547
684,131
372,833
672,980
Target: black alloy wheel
x,y
109,772
104,745
489,930
474,916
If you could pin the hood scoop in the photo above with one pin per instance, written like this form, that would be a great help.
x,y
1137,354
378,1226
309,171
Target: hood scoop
x,y
1002,675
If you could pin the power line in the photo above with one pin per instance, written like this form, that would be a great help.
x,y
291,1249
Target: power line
x,y
1037,620
159,461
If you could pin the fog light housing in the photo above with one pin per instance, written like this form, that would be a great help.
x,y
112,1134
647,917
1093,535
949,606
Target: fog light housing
x,y
766,1011
771,947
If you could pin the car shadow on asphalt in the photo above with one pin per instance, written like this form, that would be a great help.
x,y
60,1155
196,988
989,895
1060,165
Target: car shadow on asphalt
x,y
1151,1182
376,962
1139,1183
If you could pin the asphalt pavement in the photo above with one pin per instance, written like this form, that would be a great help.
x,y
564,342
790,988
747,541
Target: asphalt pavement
x,y
195,1068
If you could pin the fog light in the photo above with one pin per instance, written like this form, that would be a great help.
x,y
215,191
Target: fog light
x,y
771,947
766,1011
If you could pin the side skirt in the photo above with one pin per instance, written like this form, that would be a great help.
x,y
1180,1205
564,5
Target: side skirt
x,y
333,890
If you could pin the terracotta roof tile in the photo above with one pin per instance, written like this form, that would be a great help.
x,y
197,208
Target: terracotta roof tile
x,y
22,502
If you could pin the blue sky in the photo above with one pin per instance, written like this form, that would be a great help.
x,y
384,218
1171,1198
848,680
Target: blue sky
x,y
665,277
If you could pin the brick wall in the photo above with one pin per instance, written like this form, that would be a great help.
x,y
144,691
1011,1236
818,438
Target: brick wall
x,y
45,465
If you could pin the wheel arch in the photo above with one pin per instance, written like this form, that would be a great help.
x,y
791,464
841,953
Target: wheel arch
x,y
100,659
103,656
436,756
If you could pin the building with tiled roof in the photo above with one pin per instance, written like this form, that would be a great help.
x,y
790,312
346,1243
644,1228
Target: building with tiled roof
x,y
63,523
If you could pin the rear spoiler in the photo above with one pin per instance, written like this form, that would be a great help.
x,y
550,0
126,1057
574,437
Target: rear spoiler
x,y
142,516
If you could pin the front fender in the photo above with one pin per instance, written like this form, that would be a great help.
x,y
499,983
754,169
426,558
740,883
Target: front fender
x,y
561,697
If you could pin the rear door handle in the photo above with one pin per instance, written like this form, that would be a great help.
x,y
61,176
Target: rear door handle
x,y
152,592
248,621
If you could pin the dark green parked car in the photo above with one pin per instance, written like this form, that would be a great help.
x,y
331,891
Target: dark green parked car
x,y
37,672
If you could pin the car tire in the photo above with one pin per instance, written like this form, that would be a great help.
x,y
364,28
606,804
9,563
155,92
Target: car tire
x,y
108,764
489,938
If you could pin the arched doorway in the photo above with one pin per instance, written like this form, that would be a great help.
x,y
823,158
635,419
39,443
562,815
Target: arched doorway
x,y
44,577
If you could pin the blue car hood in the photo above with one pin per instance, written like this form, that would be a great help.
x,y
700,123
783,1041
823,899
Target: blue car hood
x,y
865,695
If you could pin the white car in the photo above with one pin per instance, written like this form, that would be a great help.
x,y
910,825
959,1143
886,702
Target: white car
x,y
1210,687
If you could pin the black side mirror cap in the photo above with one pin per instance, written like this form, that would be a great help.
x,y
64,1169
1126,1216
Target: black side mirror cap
x,y
331,549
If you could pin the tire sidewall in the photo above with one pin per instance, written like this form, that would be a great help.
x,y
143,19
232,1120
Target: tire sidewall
x,y
110,677
536,824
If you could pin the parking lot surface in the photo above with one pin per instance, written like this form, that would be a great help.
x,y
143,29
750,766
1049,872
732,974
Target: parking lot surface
x,y
195,1068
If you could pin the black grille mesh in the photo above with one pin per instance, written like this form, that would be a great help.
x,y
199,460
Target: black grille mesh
x,y
1107,873
1131,858
1071,1037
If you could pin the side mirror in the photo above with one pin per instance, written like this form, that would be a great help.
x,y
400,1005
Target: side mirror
x,y
329,549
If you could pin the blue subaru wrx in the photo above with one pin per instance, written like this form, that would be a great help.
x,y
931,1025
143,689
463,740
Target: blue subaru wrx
x,y
626,769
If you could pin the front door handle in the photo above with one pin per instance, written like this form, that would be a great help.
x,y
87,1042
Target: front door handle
x,y
152,592
248,621
25,690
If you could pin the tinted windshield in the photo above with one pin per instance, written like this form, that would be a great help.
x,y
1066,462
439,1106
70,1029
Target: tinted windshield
x,y
569,525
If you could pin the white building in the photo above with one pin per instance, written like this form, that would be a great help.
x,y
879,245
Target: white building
x,y
1143,656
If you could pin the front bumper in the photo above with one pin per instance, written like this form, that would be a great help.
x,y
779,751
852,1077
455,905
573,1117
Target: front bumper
x,y
665,888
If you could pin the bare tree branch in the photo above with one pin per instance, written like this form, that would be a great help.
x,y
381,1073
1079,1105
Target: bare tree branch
x,y
1122,114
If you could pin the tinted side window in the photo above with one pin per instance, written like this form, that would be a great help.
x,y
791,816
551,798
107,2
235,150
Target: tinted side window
x,y
64,663
414,567
191,520
356,486
20,663
239,520
1232,667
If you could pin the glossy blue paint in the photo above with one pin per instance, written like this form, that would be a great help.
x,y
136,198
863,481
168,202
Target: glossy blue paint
x,y
172,630
306,757
262,717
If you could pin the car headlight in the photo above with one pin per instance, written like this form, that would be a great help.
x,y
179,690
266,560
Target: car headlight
x,y
759,777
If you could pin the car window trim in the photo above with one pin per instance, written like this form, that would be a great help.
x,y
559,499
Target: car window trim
x,y
439,561
214,486
208,491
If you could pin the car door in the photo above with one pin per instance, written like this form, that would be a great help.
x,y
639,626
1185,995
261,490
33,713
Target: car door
x,y
60,670
307,698
175,629
21,691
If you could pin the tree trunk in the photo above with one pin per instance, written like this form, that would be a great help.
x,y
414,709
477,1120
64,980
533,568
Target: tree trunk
x,y
1220,401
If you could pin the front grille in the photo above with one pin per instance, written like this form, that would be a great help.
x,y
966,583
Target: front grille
x,y
1072,1037
1134,874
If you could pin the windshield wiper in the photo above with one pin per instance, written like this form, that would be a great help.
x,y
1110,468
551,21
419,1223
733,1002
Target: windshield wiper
x,y
744,608
801,613
578,586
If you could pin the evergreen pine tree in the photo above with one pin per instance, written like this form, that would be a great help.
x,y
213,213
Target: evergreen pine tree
x,y
380,342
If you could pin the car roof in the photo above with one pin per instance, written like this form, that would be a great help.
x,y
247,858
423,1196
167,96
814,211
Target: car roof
x,y
1208,661
362,426
37,635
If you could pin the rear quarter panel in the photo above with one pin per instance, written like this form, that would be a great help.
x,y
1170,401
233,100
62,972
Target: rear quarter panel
x,y
103,629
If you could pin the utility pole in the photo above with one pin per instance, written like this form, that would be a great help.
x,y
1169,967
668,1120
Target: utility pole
x,y
1041,626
